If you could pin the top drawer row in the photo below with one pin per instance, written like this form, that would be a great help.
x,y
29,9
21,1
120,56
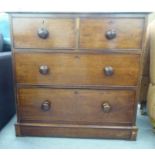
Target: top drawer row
x,y
82,33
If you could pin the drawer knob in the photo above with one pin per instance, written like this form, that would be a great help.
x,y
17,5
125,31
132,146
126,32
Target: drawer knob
x,y
108,71
46,105
106,107
111,34
43,69
43,33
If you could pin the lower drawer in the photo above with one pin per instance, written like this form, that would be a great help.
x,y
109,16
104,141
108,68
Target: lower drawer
x,y
76,106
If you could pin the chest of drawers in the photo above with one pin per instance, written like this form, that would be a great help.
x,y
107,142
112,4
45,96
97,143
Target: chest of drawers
x,y
77,74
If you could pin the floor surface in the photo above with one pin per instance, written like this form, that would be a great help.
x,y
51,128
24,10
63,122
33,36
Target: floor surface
x,y
145,139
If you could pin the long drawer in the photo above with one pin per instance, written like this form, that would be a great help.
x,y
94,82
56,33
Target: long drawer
x,y
77,69
76,106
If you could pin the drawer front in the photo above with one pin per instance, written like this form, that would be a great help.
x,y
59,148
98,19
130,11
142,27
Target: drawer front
x,y
77,69
121,33
43,33
76,106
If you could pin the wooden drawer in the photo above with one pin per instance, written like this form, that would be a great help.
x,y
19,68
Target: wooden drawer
x,y
77,69
32,33
76,106
121,33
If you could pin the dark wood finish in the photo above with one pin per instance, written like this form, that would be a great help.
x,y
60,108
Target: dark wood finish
x,y
76,106
87,131
61,33
77,69
128,32
78,74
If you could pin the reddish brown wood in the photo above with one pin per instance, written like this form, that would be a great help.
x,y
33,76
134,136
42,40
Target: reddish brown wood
x,y
128,32
76,106
77,69
61,33
77,74
87,131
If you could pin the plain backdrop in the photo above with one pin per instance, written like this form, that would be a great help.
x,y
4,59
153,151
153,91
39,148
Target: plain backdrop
x,y
77,5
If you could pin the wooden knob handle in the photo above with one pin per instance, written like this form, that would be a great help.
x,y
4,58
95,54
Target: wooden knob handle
x,y
110,34
106,107
108,71
43,33
45,106
43,69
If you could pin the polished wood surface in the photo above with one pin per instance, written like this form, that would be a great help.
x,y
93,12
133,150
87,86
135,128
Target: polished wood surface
x,y
78,74
67,130
77,69
128,33
62,33
76,106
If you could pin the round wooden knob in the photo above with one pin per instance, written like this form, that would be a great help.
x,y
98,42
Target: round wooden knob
x,y
45,106
43,33
43,69
108,71
106,107
111,34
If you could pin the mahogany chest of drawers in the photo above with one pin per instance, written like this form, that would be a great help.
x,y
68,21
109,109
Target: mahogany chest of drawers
x,y
77,74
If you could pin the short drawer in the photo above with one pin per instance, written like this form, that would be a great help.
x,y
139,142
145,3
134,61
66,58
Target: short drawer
x,y
121,33
77,69
76,106
43,33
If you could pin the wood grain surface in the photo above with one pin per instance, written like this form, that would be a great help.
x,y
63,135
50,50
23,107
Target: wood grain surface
x,y
77,69
76,106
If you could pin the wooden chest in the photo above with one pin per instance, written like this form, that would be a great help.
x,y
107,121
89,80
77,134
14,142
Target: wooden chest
x,y
77,74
